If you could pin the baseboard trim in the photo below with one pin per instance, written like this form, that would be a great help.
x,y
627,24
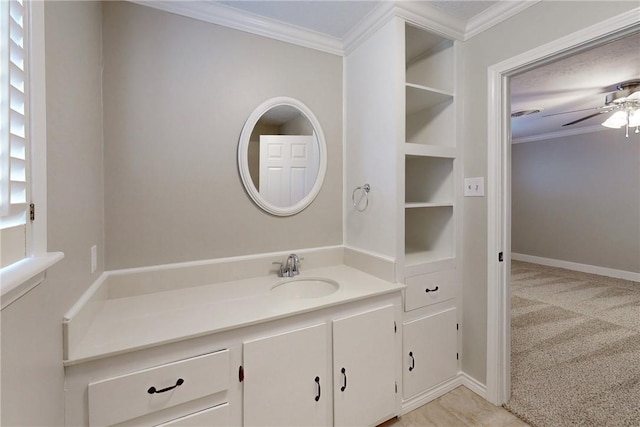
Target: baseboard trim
x,y
474,385
423,398
584,268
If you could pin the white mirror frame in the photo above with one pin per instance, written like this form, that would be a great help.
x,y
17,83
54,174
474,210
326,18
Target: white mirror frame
x,y
243,150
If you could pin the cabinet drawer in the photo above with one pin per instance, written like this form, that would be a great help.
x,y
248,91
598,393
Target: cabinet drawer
x,y
429,288
218,416
121,398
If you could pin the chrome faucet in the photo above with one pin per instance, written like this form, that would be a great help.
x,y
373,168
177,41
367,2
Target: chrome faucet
x,y
289,268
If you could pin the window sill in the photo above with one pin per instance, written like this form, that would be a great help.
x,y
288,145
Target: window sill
x,y
19,278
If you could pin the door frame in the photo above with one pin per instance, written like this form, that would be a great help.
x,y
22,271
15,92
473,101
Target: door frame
x,y
498,380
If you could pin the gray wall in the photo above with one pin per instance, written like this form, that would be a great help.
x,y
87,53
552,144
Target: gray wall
x,y
176,94
578,199
540,24
32,373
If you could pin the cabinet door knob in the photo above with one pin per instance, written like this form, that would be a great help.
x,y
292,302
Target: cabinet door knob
x,y
413,361
344,385
319,389
153,390
431,290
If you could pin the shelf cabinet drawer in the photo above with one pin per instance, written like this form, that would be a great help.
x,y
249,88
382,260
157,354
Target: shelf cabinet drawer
x,y
218,416
430,288
124,397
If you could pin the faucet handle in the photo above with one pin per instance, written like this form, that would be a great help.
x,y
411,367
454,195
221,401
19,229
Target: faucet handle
x,y
281,270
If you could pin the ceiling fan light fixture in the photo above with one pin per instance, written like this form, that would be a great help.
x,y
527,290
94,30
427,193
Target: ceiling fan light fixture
x,y
617,120
634,118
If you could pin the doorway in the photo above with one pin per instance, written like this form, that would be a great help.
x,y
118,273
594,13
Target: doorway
x,y
499,187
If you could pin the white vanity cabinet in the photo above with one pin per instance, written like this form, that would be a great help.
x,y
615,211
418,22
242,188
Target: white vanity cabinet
x,y
281,370
289,380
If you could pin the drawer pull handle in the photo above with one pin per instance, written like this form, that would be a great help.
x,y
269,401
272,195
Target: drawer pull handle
x,y
431,290
413,361
317,380
153,390
344,385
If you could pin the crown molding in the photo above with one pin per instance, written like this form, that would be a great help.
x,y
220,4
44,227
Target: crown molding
x,y
417,13
431,18
559,134
368,26
497,13
220,14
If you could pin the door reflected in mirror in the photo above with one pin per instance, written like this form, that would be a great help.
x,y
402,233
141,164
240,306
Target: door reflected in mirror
x,y
282,156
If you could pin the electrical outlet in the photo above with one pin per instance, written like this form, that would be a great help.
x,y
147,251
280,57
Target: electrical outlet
x,y
94,258
474,187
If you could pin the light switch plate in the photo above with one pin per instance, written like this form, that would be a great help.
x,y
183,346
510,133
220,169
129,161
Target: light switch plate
x,y
474,187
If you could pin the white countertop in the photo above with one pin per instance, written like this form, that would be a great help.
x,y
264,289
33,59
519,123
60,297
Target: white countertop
x,y
142,321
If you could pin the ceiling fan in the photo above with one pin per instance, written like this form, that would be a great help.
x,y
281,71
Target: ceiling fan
x,y
624,102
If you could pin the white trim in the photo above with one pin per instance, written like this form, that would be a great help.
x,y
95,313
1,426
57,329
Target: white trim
x,y
420,399
498,146
37,231
494,15
19,278
474,385
559,134
431,18
375,20
418,13
227,16
575,266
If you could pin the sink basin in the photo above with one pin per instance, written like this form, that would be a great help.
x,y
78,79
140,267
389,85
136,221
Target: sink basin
x,y
305,287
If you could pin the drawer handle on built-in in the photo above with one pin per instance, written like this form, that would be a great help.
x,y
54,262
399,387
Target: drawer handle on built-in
x,y
153,390
344,385
413,361
319,389
431,290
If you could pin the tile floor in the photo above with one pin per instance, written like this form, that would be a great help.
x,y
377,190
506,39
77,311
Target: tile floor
x,y
458,408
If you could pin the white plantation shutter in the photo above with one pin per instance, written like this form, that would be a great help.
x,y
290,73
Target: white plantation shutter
x,y
14,129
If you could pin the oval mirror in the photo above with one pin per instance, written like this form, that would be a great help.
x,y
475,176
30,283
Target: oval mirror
x,y
282,156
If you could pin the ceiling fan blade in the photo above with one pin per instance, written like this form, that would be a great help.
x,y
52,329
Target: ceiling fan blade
x,y
582,119
574,111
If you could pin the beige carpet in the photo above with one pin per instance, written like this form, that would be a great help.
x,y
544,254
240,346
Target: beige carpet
x,y
575,356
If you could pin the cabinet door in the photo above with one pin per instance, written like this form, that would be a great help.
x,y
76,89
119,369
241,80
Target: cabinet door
x,y
430,348
364,368
286,379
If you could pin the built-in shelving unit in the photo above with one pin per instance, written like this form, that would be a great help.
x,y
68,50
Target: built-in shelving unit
x,y
401,138
429,267
430,148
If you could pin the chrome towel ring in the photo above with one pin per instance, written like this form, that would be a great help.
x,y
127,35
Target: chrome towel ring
x,y
364,196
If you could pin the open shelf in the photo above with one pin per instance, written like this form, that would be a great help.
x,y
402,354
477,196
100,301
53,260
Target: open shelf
x,y
434,125
429,59
421,97
429,234
429,180
412,149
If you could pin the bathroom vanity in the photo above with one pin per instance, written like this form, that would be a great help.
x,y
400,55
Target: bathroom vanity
x,y
252,351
